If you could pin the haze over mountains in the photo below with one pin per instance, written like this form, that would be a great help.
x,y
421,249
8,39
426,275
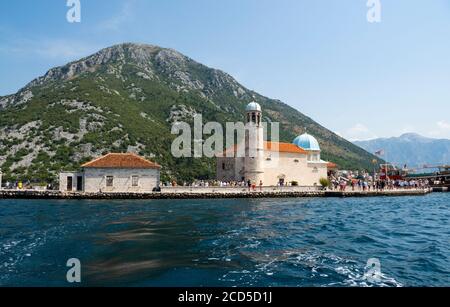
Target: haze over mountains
x,y
411,149
126,98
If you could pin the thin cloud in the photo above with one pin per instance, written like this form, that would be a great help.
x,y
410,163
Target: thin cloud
x,y
115,23
441,130
443,125
60,49
359,132
66,50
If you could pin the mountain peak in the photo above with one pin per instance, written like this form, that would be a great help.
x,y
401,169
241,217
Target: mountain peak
x,y
123,62
411,148
412,136
113,59
139,51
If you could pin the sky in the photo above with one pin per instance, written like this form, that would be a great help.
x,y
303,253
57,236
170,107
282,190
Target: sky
x,y
361,80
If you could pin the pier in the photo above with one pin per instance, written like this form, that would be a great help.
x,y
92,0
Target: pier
x,y
210,193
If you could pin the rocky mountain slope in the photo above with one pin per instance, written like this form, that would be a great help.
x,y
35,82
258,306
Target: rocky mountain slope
x,y
411,149
125,98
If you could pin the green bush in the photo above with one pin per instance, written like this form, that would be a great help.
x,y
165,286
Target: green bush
x,y
324,182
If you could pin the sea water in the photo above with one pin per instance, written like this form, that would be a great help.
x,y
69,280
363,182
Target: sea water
x,y
261,242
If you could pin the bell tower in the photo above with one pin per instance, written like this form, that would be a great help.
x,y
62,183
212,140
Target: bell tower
x,y
254,144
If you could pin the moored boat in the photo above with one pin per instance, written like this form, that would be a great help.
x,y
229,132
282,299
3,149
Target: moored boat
x,y
439,180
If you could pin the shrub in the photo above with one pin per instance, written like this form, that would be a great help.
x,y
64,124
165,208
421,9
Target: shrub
x,y
324,182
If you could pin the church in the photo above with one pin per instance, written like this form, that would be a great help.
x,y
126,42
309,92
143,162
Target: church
x,y
271,163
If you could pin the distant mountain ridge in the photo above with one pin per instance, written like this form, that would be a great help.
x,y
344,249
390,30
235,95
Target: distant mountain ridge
x,y
125,98
411,149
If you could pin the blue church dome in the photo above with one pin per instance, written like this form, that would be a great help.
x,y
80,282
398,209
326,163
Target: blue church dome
x,y
307,142
253,106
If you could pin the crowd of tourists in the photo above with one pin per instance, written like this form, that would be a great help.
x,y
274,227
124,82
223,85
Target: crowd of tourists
x,y
349,181
216,183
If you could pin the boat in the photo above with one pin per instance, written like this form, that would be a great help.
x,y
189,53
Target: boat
x,y
391,172
439,179
443,177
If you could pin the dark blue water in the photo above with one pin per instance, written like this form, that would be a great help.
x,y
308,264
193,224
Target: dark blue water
x,y
291,242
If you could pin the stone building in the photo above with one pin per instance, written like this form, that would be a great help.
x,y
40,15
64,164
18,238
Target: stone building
x,y
113,173
271,163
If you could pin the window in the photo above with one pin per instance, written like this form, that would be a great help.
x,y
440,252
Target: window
x,y
135,181
296,161
314,157
109,181
223,166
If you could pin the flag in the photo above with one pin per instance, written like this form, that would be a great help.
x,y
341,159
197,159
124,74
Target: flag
x,y
379,152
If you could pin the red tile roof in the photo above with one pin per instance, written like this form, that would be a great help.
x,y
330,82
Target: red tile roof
x,y
121,160
271,146
331,165
284,147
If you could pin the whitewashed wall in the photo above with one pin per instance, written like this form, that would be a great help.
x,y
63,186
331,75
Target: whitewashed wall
x,y
293,166
95,180
63,180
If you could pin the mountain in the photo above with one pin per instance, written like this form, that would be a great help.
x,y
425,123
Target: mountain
x,y
125,98
411,149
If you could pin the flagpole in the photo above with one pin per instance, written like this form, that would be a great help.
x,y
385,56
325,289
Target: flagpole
x,y
387,165
380,154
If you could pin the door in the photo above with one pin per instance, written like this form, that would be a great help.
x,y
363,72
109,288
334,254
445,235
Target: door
x,y
69,183
80,183
281,179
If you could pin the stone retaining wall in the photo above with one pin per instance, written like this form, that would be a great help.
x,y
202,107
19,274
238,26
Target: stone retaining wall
x,y
8,194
